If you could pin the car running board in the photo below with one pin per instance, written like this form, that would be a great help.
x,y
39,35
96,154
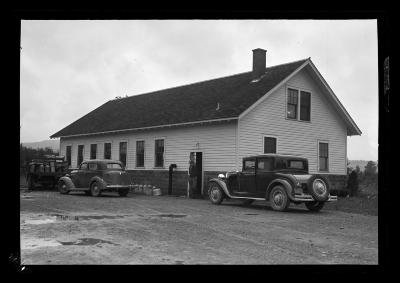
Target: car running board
x,y
231,196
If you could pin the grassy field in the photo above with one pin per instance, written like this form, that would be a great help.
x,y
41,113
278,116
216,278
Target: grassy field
x,y
367,205
366,202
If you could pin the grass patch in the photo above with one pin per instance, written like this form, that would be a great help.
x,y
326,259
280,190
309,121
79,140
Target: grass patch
x,y
363,204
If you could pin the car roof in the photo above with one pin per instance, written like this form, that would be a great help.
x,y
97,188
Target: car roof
x,y
276,155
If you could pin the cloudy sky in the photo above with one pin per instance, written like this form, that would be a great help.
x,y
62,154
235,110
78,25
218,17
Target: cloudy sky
x,y
69,68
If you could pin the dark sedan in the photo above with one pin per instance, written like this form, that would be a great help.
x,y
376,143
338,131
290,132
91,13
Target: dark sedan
x,y
96,176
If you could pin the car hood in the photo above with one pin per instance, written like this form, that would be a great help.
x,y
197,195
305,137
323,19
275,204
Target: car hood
x,y
118,177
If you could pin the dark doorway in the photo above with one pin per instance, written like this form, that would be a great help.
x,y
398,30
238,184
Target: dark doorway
x,y
199,168
196,174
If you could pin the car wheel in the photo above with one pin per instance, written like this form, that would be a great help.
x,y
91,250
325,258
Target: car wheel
x,y
278,199
215,193
123,192
315,205
95,189
318,188
248,202
63,187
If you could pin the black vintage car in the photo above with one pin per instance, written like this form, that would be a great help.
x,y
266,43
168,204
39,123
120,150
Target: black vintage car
x,y
96,176
279,179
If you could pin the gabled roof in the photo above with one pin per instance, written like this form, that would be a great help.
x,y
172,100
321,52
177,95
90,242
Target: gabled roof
x,y
217,99
183,104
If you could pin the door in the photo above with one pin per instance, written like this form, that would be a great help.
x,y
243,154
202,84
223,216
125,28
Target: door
x,y
265,174
88,174
199,171
80,175
196,173
247,178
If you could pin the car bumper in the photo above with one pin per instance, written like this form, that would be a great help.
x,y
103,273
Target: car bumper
x,y
117,187
305,197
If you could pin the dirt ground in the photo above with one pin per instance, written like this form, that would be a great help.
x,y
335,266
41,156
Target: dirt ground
x,y
139,229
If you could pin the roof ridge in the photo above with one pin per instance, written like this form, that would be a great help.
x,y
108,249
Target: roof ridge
x,y
279,65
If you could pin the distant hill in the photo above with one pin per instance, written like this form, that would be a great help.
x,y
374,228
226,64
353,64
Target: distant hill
x,y
360,163
54,144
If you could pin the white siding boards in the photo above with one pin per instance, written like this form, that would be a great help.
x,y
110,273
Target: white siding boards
x,y
217,142
295,137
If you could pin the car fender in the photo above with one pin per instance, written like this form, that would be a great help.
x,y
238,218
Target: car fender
x,y
288,187
222,184
98,179
68,181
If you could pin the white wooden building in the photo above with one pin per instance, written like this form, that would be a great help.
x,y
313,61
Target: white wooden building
x,y
287,109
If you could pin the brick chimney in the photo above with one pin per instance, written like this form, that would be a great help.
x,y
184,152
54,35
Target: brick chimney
x,y
259,62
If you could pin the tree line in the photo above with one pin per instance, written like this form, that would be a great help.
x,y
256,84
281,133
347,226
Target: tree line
x,y
356,177
26,154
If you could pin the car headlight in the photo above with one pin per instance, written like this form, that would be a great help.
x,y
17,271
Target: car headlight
x,y
221,176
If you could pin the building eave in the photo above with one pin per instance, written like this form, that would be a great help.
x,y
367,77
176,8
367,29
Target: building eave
x,y
213,121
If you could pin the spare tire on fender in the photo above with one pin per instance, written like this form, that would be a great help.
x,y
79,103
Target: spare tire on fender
x,y
318,187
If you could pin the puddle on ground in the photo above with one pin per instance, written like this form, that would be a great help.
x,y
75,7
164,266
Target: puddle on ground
x,y
40,221
87,242
38,243
61,217
168,215
27,197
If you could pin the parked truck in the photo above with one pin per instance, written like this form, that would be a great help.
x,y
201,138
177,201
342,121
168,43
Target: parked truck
x,y
45,171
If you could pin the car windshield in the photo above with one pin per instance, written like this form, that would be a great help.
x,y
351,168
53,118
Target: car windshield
x,y
295,164
114,166
249,165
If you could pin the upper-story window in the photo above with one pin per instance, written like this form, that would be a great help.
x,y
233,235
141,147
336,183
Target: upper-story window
x,y
292,101
305,103
159,153
294,106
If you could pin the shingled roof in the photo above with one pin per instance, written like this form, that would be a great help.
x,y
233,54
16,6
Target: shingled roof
x,y
183,104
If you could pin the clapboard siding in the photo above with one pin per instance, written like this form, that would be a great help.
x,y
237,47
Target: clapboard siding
x,y
217,142
295,137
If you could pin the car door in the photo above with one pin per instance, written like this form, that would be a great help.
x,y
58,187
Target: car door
x,y
247,178
80,175
264,174
91,171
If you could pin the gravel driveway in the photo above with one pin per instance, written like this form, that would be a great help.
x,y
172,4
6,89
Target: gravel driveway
x,y
138,229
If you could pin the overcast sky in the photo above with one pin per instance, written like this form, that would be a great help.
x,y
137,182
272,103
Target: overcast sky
x,y
69,68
